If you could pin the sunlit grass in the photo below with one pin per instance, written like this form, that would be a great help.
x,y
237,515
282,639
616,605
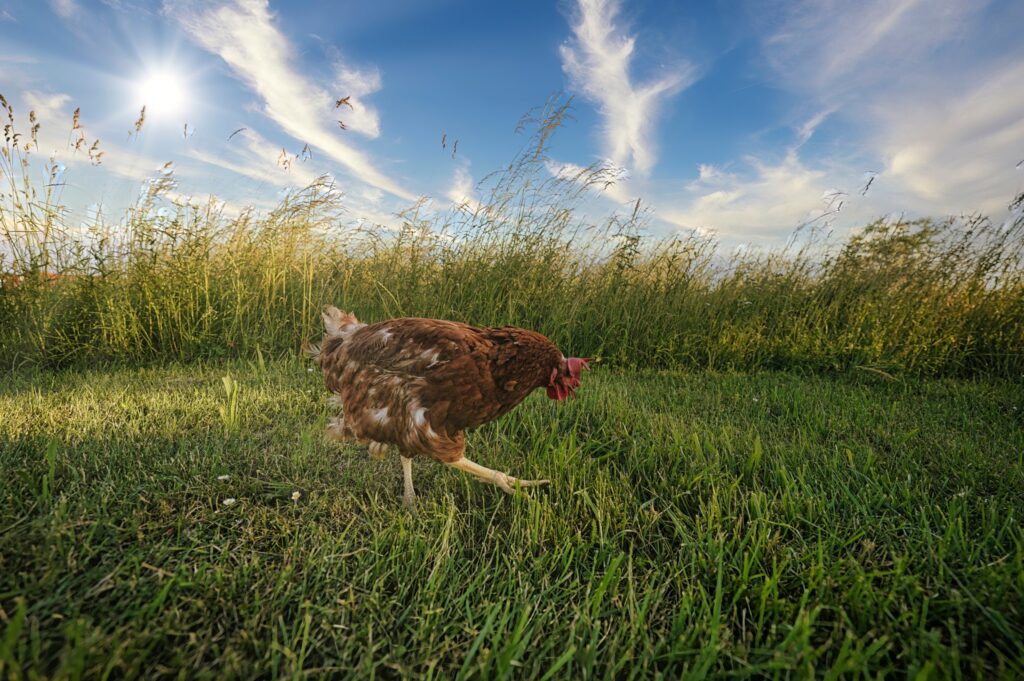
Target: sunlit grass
x,y
169,507
185,282
719,522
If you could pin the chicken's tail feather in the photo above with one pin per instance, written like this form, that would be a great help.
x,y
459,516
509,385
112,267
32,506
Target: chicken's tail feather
x,y
337,322
311,350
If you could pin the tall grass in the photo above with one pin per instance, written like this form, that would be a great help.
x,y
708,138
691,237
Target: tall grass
x,y
175,280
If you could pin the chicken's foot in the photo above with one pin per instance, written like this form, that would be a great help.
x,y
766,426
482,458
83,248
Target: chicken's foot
x,y
502,480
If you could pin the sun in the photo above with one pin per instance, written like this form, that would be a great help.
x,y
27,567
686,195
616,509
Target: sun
x,y
162,92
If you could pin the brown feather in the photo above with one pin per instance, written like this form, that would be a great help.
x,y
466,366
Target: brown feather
x,y
418,384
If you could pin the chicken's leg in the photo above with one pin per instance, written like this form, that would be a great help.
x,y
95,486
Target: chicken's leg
x,y
502,480
409,495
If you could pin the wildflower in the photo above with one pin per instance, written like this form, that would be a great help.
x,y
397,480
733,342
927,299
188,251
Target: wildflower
x,y
296,495
223,477
229,501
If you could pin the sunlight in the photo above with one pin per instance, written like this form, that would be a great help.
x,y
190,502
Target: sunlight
x,y
162,92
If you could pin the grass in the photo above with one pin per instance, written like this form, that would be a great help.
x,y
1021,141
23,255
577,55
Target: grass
x,y
175,280
835,493
745,524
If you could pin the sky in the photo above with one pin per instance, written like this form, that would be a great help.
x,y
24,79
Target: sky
x,y
742,118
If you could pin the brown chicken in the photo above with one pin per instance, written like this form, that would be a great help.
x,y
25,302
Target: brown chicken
x,y
417,384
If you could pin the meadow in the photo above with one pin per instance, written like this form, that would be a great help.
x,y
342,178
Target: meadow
x,y
740,524
177,279
786,463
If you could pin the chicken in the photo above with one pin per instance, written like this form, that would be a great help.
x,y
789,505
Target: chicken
x,y
418,384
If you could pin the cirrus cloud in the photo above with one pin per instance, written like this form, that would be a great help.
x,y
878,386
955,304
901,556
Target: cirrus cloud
x,y
243,33
598,60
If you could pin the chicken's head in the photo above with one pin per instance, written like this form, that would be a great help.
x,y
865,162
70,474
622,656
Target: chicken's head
x,y
565,379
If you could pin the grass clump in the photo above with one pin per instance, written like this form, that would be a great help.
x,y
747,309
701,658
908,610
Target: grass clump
x,y
176,280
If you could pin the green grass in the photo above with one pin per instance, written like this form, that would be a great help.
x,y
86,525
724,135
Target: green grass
x,y
779,524
174,280
855,514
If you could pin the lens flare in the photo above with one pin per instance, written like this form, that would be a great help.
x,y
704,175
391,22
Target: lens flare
x,y
162,92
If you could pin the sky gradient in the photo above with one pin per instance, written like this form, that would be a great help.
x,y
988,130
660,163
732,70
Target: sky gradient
x,y
744,119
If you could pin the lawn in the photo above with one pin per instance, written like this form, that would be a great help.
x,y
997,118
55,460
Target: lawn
x,y
766,523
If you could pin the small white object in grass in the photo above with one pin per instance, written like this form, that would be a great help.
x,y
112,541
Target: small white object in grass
x,y
229,501
756,399
296,495
223,477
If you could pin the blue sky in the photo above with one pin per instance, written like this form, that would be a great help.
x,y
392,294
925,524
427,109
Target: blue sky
x,y
740,118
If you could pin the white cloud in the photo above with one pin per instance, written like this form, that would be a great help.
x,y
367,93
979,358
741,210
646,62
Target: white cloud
x,y
835,48
945,121
597,61
244,35
940,155
766,199
605,178
565,171
53,112
48,106
65,9
957,153
254,157
372,196
904,81
357,84
806,131
463,190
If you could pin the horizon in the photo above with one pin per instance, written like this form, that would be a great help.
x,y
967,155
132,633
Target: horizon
x,y
722,119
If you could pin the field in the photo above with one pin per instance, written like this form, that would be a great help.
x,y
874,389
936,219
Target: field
x,y
793,462
177,279
760,523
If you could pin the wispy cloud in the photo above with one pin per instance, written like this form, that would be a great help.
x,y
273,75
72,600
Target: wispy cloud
x,y
807,129
49,107
942,122
243,33
759,199
943,119
54,111
570,172
836,48
254,157
598,61
956,153
463,190
605,178
65,9
356,84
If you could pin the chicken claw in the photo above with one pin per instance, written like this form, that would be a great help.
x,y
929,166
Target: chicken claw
x,y
502,480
